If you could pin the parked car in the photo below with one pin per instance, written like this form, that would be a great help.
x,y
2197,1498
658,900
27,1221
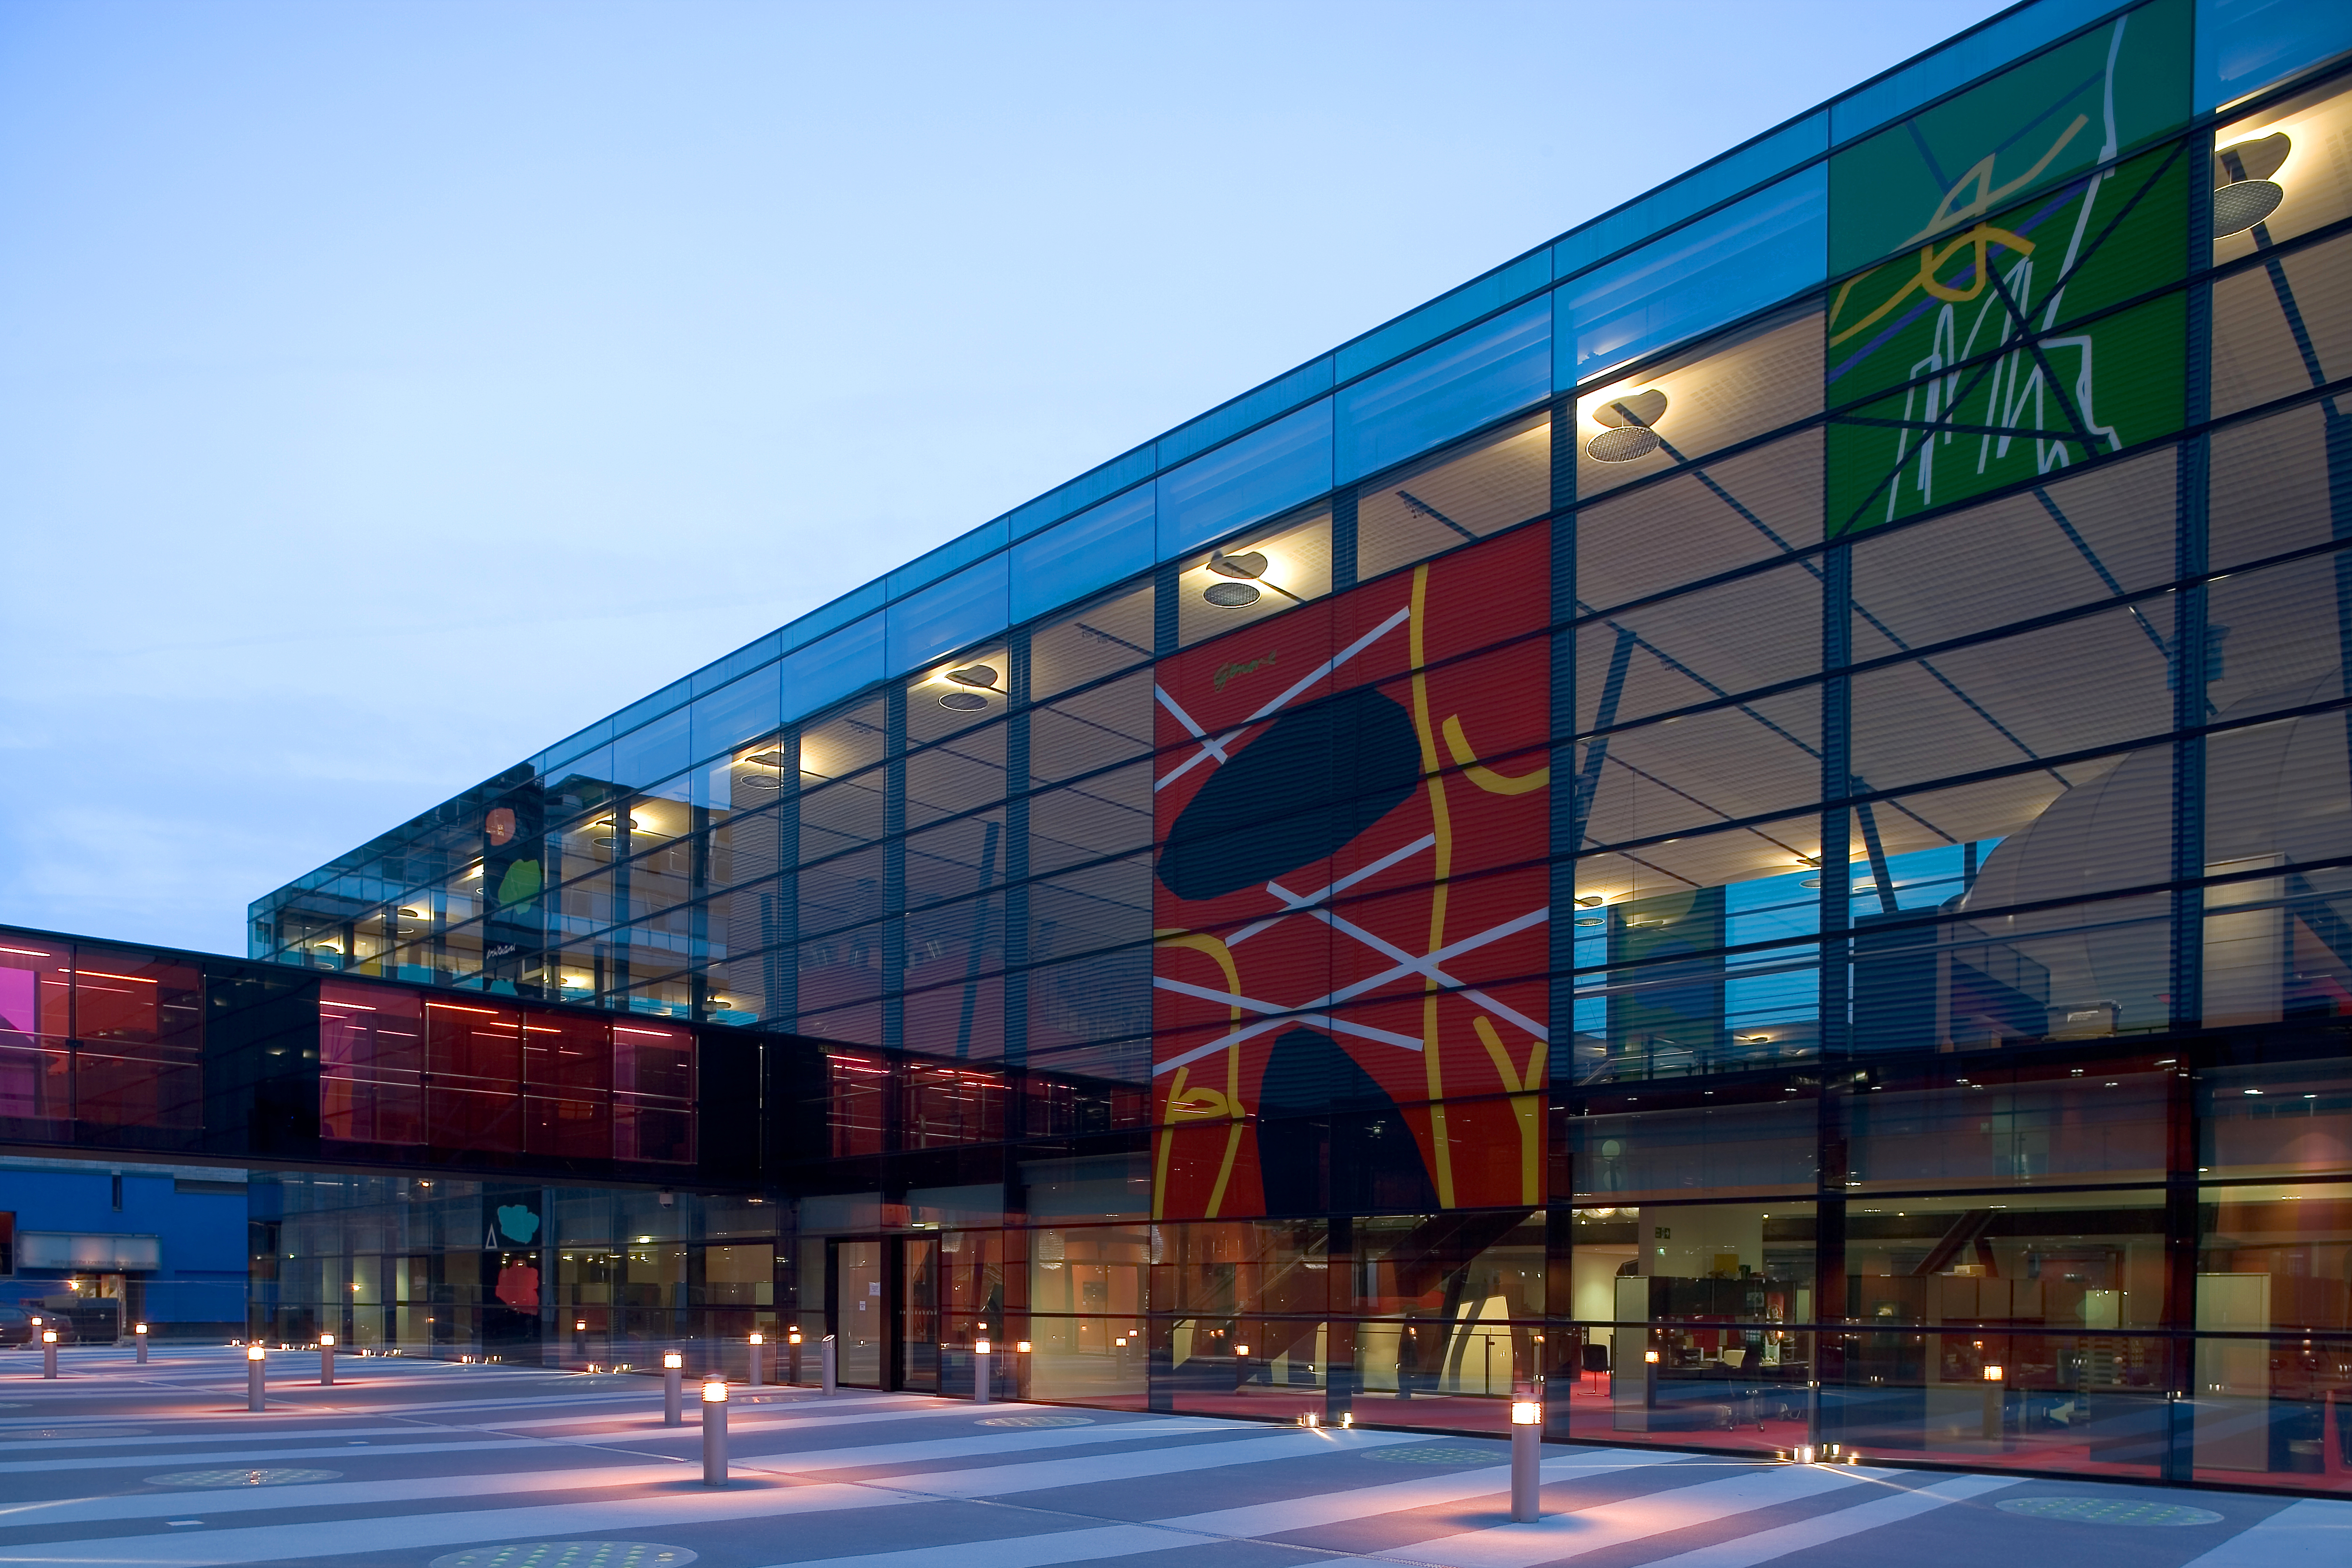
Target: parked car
x,y
16,1327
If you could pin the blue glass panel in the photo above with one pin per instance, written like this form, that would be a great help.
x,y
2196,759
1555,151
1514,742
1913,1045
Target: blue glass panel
x,y
1085,490
551,761
2243,46
742,661
1250,408
1483,373
1441,315
1093,550
827,672
1773,153
837,613
959,552
1960,62
750,706
653,751
968,606
1752,254
644,708
1255,476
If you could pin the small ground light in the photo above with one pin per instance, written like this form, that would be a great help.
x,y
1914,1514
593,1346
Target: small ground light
x,y
1347,1418
579,1325
759,1339
1650,1355
1120,1341
252,1352
671,1359
714,1391
1527,1413
1021,1347
49,1337
1992,1373
328,1340
793,1338
980,1347
1241,1350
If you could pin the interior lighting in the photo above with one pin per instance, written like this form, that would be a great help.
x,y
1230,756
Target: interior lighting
x,y
1243,568
2244,193
1628,435
973,678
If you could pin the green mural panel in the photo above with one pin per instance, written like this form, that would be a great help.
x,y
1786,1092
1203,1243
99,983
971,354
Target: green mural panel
x,y
1971,364
2059,114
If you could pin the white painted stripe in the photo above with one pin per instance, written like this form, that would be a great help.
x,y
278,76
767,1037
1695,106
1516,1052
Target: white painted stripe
x,y
1041,1475
2313,1534
1256,1520
1559,1536
1392,1497
341,1537
1821,1529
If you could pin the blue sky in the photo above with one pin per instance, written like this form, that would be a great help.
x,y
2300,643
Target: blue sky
x,y
388,389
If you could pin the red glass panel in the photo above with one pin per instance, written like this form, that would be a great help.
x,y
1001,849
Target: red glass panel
x,y
567,1067
474,1077
371,1063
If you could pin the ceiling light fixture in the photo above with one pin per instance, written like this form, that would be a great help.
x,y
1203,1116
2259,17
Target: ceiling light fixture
x,y
1629,434
1234,595
2244,193
980,676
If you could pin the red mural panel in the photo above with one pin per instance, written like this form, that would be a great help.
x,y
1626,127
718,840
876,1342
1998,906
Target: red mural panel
x,y
1351,801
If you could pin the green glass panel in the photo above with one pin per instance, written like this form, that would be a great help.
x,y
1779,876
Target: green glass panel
x,y
2059,113
1969,400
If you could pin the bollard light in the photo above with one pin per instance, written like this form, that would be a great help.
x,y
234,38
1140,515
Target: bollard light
x,y
759,1339
1526,1460
252,1352
141,1330
579,1325
326,1359
714,1431
1992,1373
980,1347
673,1389
327,1342
1241,1350
1021,1347
48,1336
254,1392
1347,1418
1650,1356
671,1359
793,1338
48,1352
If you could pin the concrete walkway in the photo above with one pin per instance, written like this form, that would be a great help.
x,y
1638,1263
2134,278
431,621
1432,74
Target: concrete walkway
x,y
406,1464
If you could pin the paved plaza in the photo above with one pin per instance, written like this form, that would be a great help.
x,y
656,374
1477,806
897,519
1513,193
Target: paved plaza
x,y
405,1464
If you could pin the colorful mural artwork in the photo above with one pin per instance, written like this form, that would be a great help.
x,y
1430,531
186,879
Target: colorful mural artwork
x,y
1350,898
2002,344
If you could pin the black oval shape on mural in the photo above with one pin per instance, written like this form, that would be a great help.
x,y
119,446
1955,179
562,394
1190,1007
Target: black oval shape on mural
x,y
1310,782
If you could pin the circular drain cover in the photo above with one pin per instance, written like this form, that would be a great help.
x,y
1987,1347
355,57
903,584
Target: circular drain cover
x,y
1039,1421
568,1555
2108,1510
72,1434
240,1477
1437,1455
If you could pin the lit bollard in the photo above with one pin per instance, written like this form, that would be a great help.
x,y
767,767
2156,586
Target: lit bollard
x,y
792,1354
140,1334
754,1378
1526,1460
326,1359
1020,1384
1995,1401
1240,1368
714,1431
255,1394
48,1352
829,1366
673,1389
980,1372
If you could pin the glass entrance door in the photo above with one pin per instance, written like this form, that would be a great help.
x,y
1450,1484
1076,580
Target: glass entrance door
x,y
857,1312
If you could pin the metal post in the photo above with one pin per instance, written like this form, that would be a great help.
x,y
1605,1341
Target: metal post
x,y
255,1391
980,1349
714,1432
1996,1399
48,1352
326,1359
1526,1460
758,1349
140,1333
793,1354
673,1389
829,1355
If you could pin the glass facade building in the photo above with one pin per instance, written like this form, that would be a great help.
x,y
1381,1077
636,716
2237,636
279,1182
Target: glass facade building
x,y
1861,635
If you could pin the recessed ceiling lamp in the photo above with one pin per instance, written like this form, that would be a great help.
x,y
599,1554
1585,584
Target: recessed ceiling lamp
x,y
1629,434
2244,193
1234,595
980,675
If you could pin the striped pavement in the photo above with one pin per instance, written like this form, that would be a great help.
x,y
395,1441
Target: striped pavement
x,y
404,1463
